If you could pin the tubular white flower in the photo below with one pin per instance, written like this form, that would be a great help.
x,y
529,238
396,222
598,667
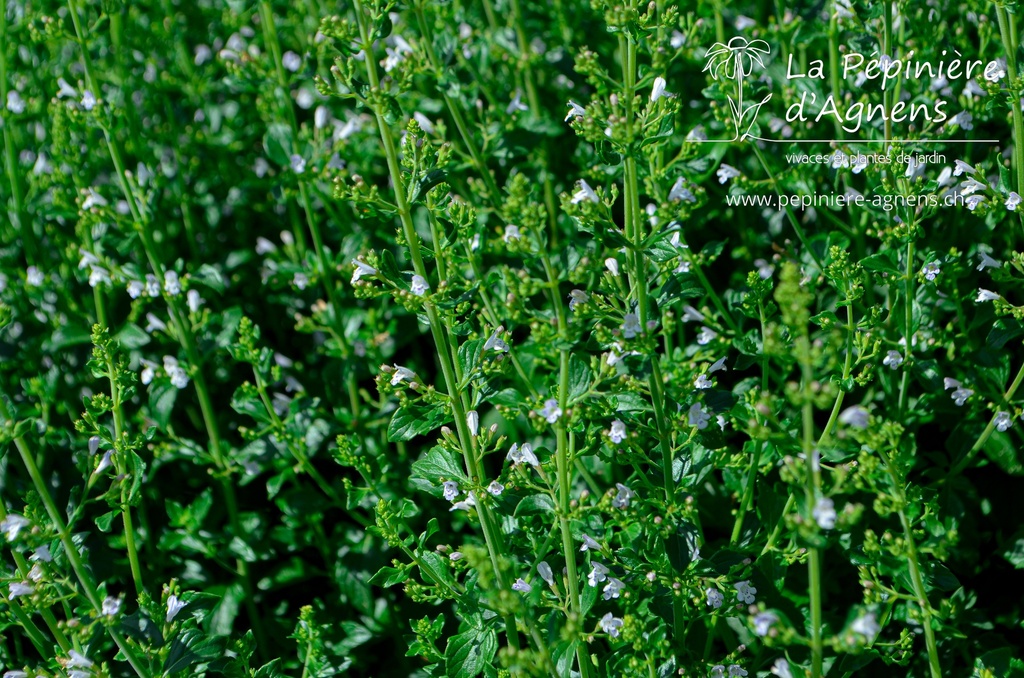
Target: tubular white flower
x,y
473,421
420,286
174,606
585,192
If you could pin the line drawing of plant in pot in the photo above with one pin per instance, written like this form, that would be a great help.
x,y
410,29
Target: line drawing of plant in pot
x,y
735,61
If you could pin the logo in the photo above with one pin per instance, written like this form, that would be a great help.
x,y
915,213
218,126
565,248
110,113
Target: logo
x,y
734,62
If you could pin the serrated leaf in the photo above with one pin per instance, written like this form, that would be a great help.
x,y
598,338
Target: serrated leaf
x,y
415,418
467,653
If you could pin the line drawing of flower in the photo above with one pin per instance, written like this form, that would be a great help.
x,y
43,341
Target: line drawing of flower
x,y
735,61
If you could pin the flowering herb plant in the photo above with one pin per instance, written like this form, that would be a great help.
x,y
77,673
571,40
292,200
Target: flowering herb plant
x,y
440,339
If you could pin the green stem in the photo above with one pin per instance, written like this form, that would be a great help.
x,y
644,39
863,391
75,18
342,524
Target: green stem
x,y
70,549
983,438
125,508
21,223
1009,44
491,539
915,570
812,490
908,327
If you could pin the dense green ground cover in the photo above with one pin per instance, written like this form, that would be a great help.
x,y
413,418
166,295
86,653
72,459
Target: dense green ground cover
x,y
423,339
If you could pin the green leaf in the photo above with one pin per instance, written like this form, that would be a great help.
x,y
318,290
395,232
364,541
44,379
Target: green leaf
x,y
415,418
467,653
162,395
579,378
389,576
437,465
469,356
279,143
885,262
132,336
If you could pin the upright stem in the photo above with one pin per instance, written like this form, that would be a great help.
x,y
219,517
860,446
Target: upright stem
x,y
908,324
812,490
126,512
437,330
1010,46
917,581
70,549
20,219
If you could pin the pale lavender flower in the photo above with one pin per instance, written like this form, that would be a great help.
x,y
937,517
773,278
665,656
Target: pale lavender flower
x,y
612,589
451,490
13,524
892,359
745,592
726,172
1003,421
575,111
986,295
988,262
589,544
611,625
866,625
824,513
763,622
551,411
362,268
714,598
631,325
152,285
585,192
473,422
618,432
174,606
931,270
521,586
577,297
706,336
420,286
623,496
171,283
544,570
20,589
698,416
495,488
598,574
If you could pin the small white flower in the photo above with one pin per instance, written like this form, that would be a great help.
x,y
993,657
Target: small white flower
x,y
714,598
152,285
698,416
260,168
959,167
589,544
13,524
972,186
400,374
585,192
451,490
177,374
623,495
658,90
147,374
577,297
855,416
611,625
495,488
781,668
291,61
111,606
726,172
702,382
65,90
612,589
264,246
988,262
551,411
1003,421
972,201
961,395
171,283
931,270
544,570
679,191
612,264
473,421
78,661
154,324
511,233
630,325
98,276
963,119
763,622
522,455
33,276
1012,201
464,505
15,104
618,432
745,592
893,359
737,671
825,513
194,301
20,589
105,463
297,163
718,365
692,314
683,267
174,606
92,199
677,40
706,336
362,268
995,70
88,100
455,556
15,674
764,269
420,286
866,625
495,342
516,104
598,574
521,586
986,295
949,382
94,445
575,111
